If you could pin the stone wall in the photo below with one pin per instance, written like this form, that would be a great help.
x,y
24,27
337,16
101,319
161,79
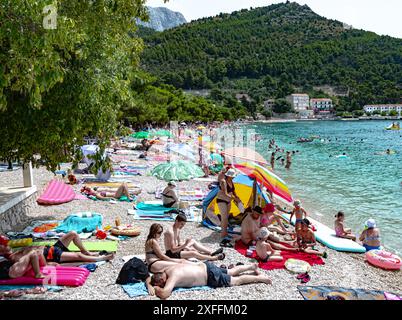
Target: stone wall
x,y
15,218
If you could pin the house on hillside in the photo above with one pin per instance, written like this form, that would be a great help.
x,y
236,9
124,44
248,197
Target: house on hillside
x,y
322,106
299,101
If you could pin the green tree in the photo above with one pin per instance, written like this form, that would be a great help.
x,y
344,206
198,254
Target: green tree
x,y
393,113
282,106
59,83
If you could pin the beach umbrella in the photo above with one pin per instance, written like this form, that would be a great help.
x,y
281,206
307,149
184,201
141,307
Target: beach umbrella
x,y
162,133
249,192
140,135
177,171
266,178
241,154
182,149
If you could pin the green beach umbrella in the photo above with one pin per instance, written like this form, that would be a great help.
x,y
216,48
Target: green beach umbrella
x,y
162,133
177,170
140,135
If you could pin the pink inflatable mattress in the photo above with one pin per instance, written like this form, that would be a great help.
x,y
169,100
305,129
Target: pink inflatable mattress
x,y
56,276
57,192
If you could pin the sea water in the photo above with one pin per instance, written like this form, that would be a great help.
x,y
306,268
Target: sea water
x,y
366,184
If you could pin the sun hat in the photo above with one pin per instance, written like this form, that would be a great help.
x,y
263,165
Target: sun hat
x,y
258,210
370,223
297,203
231,173
172,183
263,234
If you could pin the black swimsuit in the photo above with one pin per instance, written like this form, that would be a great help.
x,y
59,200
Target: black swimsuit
x,y
229,189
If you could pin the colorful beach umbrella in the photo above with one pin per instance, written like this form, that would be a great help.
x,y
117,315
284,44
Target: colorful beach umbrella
x,y
241,154
249,192
162,133
182,149
177,171
266,178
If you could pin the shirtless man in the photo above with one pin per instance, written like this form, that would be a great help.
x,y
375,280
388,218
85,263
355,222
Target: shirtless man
x,y
190,248
250,229
300,214
288,160
204,274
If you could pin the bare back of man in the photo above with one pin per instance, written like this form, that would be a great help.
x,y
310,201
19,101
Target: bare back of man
x,y
249,229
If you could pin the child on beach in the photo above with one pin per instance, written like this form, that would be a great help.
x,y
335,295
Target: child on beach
x,y
340,229
299,212
306,240
263,248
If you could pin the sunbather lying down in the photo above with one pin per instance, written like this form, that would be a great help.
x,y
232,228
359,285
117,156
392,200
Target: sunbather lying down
x,y
20,262
107,195
204,274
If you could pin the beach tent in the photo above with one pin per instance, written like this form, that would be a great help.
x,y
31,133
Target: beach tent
x,y
247,189
177,171
267,179
88,150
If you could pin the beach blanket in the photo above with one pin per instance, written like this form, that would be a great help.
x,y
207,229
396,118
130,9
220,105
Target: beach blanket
x,y
110,246
99,184
321,293
81,222
118,173
232,229
154,207
271,265
196,194
139,289
56,192
4,168
28,286
191,214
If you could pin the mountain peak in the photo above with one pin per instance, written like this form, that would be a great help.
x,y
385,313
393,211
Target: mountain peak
x,y
161,18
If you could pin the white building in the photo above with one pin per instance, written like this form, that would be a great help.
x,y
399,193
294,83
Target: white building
x,y
269,104
299,101
383,108
321,105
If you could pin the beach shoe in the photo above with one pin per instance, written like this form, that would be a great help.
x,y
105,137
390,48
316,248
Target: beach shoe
x,y
222,266
216,252
240,264
306,279
221,256
325,255
226,243
104,253
231,266
301,276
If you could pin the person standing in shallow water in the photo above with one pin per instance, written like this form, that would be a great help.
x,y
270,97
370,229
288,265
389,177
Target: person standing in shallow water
x,y
288,160
273,160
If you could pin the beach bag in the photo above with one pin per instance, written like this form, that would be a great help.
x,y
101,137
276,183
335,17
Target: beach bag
x,y
133,271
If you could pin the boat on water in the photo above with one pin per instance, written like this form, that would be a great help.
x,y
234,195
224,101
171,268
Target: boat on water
x,y
394,126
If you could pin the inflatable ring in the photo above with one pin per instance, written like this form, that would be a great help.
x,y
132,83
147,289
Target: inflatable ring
x,y
383,259
126,231
297,266
17,243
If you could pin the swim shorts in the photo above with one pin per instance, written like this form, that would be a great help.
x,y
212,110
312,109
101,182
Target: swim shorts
x,y
217,277
174,255
4,269
53,253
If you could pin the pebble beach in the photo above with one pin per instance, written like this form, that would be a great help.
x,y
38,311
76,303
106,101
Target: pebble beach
x,y
340,269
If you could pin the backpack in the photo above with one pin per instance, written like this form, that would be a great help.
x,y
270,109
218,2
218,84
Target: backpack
x,y
133,271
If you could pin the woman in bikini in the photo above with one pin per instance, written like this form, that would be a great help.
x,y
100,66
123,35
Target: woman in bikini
x,y
106,194
157,261
371,236
224,198
169,197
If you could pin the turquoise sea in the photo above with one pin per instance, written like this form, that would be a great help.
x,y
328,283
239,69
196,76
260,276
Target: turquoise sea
x,y
364,185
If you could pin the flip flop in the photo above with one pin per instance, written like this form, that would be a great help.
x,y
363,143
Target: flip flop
x,y
222,266
216,252
226,243
306,279
231,266
301,276
240,264
221,256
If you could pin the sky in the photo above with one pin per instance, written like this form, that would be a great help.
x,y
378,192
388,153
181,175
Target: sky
x,y
380,16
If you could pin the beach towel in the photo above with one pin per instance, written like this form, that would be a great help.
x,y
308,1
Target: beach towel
x,y
271,265
99,184
232,229
81,222
56,192
110,246
139,289
321,293
28,286
158,216
153,207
